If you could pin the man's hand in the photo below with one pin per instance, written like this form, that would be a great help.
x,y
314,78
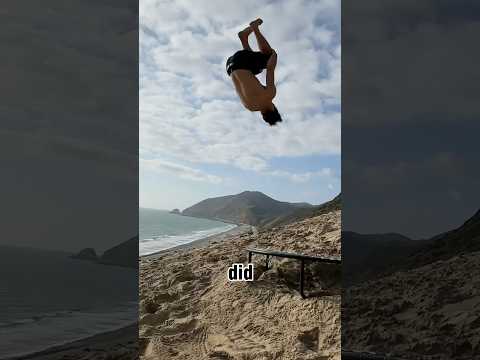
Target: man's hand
x,y
272,61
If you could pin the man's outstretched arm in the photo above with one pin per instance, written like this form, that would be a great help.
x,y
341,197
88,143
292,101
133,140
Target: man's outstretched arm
x,y
271,89
272,63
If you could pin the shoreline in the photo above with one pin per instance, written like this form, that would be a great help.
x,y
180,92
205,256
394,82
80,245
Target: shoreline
x,y
199,243
123,336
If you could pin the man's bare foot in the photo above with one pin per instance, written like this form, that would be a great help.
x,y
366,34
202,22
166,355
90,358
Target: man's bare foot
x,y
245,32
256,23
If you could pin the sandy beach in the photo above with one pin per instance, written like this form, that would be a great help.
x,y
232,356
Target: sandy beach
x,y
189,309
119,344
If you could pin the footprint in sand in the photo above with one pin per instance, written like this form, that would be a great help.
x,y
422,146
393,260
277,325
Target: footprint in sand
x,y
176,326
308,339
180,277
237,343
164,297
155,318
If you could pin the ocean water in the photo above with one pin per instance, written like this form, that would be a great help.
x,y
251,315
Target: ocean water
x,y
50,299
160,230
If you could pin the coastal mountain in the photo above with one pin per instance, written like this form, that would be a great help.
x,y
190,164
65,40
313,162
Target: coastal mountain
x,y
124,254
250,207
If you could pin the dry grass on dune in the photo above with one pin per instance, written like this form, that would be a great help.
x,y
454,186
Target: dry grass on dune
x,y
189,310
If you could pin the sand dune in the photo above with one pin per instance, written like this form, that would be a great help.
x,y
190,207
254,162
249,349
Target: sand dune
x,y
189,310
431,312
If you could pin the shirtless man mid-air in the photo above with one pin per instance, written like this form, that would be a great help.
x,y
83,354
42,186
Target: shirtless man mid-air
x,y
245,64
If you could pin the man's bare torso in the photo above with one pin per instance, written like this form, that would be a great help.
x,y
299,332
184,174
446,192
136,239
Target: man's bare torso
x,y
251,92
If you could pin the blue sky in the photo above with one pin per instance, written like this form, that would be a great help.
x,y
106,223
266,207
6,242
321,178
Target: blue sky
x,y
197,140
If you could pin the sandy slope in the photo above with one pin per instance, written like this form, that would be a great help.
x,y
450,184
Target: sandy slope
x,y
189,310
431,312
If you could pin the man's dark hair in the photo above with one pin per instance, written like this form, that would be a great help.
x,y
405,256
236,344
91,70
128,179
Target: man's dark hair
x,y
272,117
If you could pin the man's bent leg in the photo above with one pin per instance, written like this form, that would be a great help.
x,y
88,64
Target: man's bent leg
x,y
263,44
243,36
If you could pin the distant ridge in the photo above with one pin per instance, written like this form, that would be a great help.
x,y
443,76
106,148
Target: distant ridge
x,y
306,212
369,256
462,240
248,207
124,254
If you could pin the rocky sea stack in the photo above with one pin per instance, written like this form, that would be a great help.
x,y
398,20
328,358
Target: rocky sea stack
x,y
124,254
86,254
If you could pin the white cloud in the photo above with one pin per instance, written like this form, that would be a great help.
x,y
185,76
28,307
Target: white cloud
x,y
303,177
181,171
188,107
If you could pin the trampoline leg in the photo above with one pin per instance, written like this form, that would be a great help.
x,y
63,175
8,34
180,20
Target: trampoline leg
x,y
266,262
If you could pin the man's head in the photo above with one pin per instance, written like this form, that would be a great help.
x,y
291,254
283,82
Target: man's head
x,y
271,116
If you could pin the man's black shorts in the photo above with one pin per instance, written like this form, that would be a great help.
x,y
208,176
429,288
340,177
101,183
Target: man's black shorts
x,y
255,61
